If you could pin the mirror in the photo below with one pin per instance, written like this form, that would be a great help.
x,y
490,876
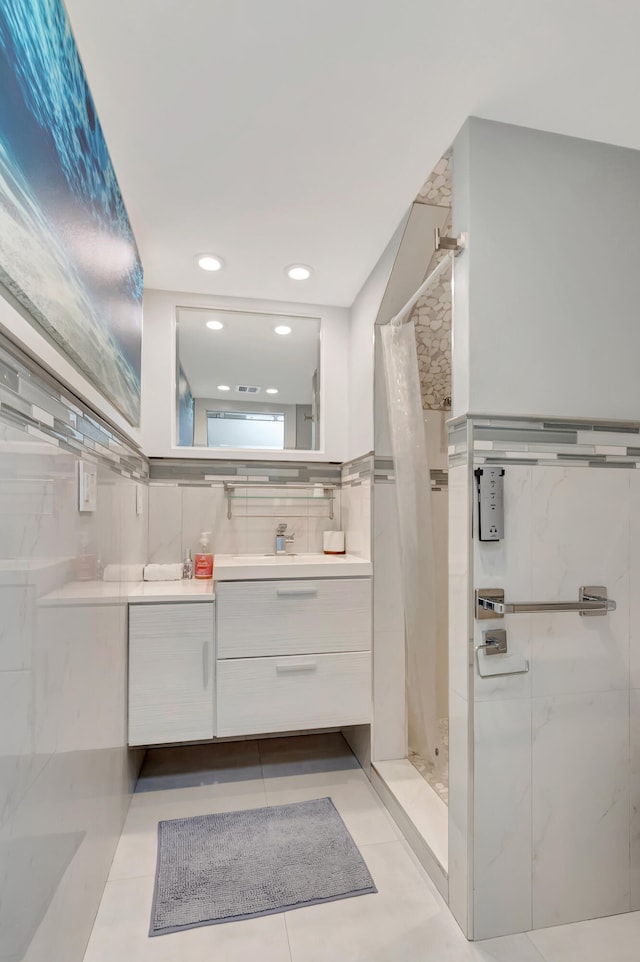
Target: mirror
x,y
247,381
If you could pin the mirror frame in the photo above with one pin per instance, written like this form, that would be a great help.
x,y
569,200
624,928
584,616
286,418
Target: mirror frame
x,y
159,373
275,317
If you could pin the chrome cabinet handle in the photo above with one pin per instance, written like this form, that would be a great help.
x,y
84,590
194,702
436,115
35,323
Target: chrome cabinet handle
x,y
296,666
295,592
205,664
592,601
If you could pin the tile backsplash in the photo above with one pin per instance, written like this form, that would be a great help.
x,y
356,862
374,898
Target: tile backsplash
x,y
178,513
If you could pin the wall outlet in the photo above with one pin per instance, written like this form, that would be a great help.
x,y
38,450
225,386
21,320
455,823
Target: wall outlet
x,y
490,482
87,486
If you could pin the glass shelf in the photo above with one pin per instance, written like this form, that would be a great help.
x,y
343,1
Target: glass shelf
x,y
282,497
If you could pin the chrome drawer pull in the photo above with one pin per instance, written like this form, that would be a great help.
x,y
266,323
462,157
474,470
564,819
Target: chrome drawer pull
x,y
205,664
295,592
298,666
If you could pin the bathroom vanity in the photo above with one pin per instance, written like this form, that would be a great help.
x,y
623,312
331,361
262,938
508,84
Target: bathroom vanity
x,y
289,649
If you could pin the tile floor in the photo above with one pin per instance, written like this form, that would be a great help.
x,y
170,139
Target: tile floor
x,y
407,921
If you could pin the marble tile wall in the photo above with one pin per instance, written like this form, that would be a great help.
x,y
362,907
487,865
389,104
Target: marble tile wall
x,y
356,506
65,772
460,701
556,793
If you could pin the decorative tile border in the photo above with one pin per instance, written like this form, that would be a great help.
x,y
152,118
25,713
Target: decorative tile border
x,y
385,474
356,471
187,471
591,444
32,401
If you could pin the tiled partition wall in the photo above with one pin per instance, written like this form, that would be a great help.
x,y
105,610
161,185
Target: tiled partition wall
x,y
356,507
550,825
65,772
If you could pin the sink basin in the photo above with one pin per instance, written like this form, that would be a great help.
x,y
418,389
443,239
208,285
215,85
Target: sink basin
x,y
263,557
270,566
280,558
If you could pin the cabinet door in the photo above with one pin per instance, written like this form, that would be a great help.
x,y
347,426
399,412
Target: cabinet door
x,y
170,672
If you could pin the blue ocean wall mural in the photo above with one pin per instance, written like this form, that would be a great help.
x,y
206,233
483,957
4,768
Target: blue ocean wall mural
x,y
67,250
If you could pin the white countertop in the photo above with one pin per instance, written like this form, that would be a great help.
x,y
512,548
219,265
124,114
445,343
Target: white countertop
x,y
228,567
32,571
128,592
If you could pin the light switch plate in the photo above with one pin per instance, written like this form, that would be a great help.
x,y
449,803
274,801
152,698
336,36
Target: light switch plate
x,y
87,486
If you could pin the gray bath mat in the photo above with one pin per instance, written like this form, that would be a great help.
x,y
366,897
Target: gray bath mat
x,y
240,865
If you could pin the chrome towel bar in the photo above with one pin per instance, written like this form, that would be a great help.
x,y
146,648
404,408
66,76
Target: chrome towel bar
x,y
592,601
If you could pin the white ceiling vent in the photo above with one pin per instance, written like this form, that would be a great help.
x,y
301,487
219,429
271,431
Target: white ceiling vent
x,y
247,389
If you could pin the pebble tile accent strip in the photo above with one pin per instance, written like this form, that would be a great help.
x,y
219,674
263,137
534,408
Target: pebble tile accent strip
x,y
432,313
437,189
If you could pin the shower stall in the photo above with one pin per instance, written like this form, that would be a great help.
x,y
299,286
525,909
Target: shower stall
x,y
413,351
418,438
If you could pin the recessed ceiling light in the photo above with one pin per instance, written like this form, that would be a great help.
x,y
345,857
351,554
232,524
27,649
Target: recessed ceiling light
x,y
215,325
282,329
272,390
209,262
223,387
298,272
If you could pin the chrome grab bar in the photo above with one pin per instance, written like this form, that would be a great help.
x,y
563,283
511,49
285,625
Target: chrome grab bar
x,y
592,601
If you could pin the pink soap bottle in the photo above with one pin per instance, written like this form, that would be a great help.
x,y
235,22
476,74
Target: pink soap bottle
x,y
203,563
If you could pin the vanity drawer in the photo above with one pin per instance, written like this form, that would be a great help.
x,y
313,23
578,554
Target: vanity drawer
x,y
292,617
260,695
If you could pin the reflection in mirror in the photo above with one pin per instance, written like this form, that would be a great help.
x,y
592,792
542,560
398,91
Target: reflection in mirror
x,y
247,380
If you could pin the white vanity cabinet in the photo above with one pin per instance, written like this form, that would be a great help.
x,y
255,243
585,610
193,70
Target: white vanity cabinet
x,y
292,655
171,687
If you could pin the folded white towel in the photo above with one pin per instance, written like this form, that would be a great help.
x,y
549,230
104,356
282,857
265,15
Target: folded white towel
x,y
122,573
171,572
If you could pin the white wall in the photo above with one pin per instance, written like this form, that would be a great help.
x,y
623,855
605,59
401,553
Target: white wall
x,y
364,312
159,374
550,279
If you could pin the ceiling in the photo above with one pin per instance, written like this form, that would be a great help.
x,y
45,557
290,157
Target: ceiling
x,y
299,131
247,351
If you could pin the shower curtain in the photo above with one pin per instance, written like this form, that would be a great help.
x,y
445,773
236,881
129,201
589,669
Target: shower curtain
x,y
413,490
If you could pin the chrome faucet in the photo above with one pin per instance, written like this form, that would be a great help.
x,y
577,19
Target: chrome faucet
x,y
282,539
